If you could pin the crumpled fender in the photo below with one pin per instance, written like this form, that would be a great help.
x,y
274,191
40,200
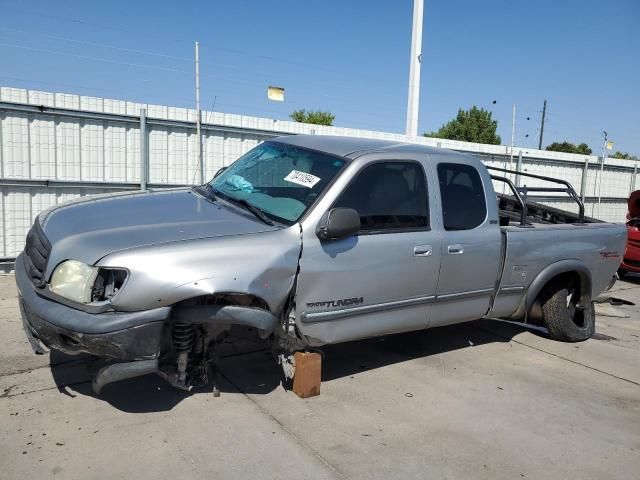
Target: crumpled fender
x,y
260,264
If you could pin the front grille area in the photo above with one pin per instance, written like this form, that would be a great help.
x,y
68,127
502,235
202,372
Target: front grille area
x,y
37,250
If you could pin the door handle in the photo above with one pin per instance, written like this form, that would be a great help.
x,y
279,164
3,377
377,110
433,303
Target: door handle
x,y
455,249
422,251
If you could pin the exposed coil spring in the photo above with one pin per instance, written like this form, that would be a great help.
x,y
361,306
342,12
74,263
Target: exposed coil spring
x,y
183,336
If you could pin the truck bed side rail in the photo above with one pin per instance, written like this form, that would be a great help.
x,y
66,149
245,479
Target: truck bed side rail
x,y
568,188
516,194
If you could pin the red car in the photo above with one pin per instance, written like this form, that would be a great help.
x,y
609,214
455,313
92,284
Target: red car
x,y
631,260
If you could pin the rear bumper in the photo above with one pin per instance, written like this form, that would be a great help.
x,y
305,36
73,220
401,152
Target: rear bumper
x,y
123,336
630,266
631,259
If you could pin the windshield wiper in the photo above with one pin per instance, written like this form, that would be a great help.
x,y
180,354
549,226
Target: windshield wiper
x,y
253,209
207,190
259,214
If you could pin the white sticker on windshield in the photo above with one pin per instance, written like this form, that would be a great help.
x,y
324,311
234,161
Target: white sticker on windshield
x,y
302,178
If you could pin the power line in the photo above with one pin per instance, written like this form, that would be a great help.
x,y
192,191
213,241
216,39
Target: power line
x,y
60,84
163,37
101,45
279,59
89,24
217,74
87,57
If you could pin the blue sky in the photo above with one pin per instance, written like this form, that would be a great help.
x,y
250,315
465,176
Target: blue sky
x,y
349,57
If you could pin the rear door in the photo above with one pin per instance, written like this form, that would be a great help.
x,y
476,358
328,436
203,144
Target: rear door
x,y
384,279
471,246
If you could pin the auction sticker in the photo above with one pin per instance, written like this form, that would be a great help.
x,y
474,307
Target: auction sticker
x,y
302,178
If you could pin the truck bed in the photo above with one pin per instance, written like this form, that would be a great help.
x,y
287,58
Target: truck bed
x,y
518,209
537,214
529,250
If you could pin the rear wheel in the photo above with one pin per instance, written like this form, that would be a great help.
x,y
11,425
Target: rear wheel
x,y
568,315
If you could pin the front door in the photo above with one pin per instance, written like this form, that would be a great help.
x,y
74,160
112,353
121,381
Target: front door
x,y
471,246
384,279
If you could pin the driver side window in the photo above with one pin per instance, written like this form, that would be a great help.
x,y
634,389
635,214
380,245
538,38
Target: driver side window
x,y
389,196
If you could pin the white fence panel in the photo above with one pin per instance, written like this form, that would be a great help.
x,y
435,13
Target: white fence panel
x,y
68,149
42,136
15,146
115,152
68,140
92,151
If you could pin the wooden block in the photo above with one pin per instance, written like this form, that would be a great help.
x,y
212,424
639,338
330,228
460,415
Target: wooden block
x,y
308,374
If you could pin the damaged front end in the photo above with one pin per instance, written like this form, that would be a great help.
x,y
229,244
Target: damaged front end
x,y
179,343
196,329
189,349
160,320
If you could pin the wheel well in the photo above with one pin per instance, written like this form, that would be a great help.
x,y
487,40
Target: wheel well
x,y
562,271
227,298
221,311
562,278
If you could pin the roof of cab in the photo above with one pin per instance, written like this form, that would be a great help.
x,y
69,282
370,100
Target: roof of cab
x,y
352,147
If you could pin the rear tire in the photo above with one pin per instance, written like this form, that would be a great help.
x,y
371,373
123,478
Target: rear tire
x,y
568,315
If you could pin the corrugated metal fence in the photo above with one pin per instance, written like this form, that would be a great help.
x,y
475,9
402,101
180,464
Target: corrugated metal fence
x,y
56,147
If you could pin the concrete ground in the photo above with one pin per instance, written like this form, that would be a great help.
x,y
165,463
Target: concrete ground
x,y
479,400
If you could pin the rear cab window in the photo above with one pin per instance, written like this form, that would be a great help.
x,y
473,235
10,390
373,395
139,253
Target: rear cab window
x,y
464,205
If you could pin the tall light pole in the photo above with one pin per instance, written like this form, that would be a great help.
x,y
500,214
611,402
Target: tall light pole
x,y
413,100
199,115
605,144
513,132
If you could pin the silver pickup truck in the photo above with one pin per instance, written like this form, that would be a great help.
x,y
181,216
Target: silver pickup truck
x,y
307,241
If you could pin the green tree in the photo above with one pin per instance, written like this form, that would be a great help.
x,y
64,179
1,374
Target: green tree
x,y
624,156
567,147
474,125
317,117
583,149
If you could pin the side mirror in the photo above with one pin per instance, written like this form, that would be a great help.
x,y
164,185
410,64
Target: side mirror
x,y
338,223
220,170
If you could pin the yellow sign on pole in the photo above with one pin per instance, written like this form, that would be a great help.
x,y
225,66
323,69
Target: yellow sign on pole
x,y
275,93
609,145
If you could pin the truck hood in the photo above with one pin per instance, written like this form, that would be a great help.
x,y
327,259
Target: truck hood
x,y
88,229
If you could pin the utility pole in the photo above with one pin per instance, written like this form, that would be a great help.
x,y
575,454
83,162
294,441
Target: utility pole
x,y
199,114
544,112
413,100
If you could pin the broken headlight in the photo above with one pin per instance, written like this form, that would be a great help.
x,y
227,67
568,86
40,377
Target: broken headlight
x,y
108,282
83,283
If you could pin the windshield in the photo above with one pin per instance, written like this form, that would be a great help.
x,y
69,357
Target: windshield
x,y
280,180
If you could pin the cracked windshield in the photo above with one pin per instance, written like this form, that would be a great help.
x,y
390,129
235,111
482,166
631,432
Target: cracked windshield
x,y
280,180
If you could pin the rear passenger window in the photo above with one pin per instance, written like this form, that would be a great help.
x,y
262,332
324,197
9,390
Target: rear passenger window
x,y
388,196
463,201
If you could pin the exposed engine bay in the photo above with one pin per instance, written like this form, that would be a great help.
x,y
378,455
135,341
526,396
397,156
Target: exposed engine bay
x,y
189,348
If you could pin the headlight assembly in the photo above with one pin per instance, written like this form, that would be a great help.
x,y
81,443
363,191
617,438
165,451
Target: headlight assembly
x,y
83,283
74,280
